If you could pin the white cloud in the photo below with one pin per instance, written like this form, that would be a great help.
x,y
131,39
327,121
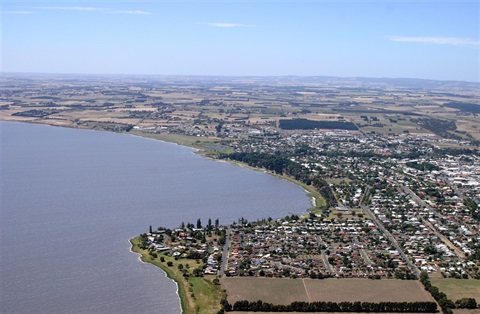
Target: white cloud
x,y
456,41
139,12
71,8
227,25
17,12
93,9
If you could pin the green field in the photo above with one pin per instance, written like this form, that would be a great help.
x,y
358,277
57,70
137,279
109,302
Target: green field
x,y
457,289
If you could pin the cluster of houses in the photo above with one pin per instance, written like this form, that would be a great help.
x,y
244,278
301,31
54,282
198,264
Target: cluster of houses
x,y
424,209
189,242
313,247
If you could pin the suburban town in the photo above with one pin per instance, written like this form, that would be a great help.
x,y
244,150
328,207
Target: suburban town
x,y
393,217
392,169
402,205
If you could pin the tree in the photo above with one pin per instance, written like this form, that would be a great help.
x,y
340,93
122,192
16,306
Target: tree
x,y
217,223
199,223
198,272
466,303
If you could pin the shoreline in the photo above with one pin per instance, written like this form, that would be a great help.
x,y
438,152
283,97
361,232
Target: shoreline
x,y
181,288
315,199
142,256
196,294
147,263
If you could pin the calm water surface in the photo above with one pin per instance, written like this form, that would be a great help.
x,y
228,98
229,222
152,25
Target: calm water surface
x,y
71,199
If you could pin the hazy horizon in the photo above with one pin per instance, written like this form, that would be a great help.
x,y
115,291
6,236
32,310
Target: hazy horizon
x,y
373,39
229,76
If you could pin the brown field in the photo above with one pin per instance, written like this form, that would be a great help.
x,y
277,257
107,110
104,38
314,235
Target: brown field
x,y
463,311
285,291
455,312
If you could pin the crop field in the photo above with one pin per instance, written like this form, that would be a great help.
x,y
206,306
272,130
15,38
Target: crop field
x,y
285,291
455,312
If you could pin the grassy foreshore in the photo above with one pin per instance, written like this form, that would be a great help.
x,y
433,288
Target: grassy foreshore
x,y
204,145
197,294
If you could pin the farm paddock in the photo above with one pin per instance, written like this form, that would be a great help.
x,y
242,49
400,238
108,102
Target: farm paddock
x,y
286,291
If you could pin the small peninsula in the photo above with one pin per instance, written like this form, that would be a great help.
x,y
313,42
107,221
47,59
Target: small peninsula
x,y
182,255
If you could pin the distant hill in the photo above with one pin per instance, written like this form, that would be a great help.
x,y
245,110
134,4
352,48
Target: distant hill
x,y
334,81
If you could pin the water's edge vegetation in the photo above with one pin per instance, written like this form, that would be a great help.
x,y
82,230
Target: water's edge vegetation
x,y
197,293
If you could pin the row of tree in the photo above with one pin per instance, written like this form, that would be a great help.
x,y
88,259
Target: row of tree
x,y
424,166
445,303
380,307
472,207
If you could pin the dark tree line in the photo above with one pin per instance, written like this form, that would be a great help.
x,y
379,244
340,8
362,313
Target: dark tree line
x,y
305,124
455,151
443,128
445,303
466,303
398,307
462,106
424,166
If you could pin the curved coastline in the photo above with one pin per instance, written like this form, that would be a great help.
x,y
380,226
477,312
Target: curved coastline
x,y
197,150
166,274
180,291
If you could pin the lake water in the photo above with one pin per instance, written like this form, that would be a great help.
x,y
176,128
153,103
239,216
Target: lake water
x,y
71,200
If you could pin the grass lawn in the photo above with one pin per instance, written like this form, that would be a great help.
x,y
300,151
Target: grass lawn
x,y
208,146
185,140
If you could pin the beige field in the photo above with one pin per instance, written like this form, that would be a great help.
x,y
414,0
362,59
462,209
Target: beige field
x,y
455,312
285,291
463,311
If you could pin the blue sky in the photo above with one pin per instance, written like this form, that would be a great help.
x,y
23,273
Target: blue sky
x,y
415,39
